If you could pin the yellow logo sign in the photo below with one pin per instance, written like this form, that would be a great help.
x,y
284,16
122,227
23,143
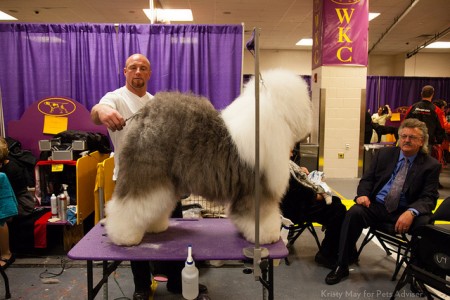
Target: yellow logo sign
x,y
345,2
57,106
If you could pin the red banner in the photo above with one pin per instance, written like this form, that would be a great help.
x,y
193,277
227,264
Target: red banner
x,y
340,33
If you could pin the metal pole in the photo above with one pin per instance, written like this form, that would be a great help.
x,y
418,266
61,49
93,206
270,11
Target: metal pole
x,y
256,252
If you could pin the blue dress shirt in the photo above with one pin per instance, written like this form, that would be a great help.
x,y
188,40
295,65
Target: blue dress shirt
x,y
385,190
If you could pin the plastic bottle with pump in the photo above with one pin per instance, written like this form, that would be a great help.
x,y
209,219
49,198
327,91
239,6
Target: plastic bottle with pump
x,y
189,277
54,205
65,187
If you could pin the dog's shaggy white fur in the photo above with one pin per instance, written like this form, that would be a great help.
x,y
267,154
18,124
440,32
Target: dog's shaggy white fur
x,y
179,144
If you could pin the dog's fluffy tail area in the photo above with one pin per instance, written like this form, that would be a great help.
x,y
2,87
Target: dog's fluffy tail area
x,y
129,218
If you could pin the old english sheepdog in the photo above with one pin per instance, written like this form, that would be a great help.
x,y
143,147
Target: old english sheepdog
x,y
180,144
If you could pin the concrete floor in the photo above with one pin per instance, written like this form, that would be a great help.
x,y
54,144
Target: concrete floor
x,y
54,276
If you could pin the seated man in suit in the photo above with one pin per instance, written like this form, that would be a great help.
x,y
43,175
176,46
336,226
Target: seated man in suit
x,y
401,187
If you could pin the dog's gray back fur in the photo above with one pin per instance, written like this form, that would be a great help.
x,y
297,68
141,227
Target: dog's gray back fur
x,y
182,139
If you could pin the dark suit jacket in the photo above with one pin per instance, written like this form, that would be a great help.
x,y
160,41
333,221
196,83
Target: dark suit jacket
x,y
421,185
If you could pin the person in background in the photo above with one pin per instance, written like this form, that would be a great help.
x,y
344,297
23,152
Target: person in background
x,y
305,201
8,209
442,104
383,114
416,193
114,110
440,149
445,117
17,177
428,113
368,128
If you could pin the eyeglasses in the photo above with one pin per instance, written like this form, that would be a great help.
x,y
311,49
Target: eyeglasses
x,y
411,137
134,68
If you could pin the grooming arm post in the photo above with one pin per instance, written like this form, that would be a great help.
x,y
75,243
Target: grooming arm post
x,y
256,253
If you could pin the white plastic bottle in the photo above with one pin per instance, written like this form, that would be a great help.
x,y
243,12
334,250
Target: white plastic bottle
x,y
189,277
54,205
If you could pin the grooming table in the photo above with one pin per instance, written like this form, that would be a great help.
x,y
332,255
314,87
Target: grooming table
x,y
211,239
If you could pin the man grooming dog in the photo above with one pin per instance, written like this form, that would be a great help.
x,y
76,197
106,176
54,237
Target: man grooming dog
x,y
114,111
179,144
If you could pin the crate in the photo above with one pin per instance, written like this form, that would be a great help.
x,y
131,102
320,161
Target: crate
x,y
197,206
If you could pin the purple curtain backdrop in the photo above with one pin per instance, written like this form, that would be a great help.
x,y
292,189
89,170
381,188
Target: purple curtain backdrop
x,y
67,60
203,59
402,91
84,61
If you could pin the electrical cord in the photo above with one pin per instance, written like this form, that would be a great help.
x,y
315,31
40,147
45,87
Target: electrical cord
x,y
120,288
46,274
48,277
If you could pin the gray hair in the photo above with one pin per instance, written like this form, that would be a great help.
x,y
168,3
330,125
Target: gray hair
x,y
415,123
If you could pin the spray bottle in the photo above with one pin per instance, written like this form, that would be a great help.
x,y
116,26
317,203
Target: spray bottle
x,y
189,277
54,205
65,187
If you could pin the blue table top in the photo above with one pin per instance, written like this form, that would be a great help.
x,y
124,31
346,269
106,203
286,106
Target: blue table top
x,y
211,239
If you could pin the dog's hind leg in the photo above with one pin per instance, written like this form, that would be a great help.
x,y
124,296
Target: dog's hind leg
x,y
160,208
243,217
128,219
380,133
270,223
122,224
394,131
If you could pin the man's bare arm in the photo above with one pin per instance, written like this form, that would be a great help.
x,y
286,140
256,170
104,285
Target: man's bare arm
x,y
108,116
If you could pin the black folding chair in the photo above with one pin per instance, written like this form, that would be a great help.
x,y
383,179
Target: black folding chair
x,y
295,230
391,242
430,263
6,281
442,213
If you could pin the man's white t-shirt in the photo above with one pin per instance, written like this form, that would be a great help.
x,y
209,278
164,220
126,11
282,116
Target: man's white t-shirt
x,y
127,104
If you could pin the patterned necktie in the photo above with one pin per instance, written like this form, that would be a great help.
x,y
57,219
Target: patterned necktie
x,y
393,197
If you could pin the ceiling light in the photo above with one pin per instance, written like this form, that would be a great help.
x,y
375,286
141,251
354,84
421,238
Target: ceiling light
x,y
170,14
5,16
439,45
373,16
305,42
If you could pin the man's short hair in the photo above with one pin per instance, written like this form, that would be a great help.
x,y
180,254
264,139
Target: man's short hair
x,y
427,91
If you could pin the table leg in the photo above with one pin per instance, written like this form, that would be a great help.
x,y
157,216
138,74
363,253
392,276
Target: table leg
x,y
90,285
271,296
105,286
266,277
108,268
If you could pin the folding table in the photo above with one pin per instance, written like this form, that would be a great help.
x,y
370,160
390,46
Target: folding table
x,y
211,239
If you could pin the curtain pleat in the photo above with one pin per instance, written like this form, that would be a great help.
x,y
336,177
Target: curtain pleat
x,y
2,119
202,59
